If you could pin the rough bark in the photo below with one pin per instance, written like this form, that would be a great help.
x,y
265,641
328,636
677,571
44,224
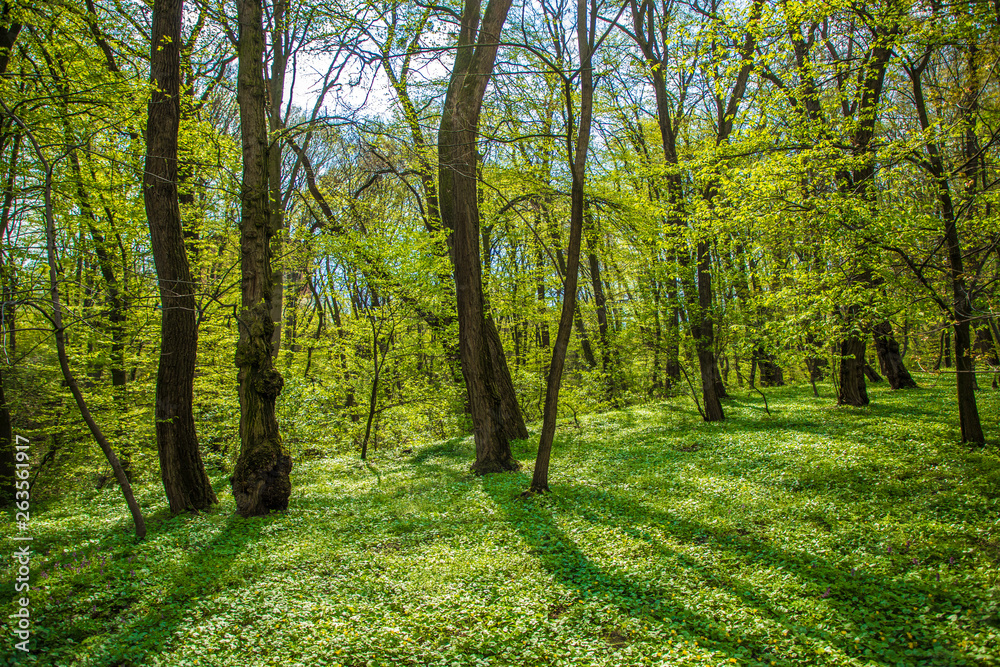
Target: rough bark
x,y
853,390
889,358
260,480
184,478
459,204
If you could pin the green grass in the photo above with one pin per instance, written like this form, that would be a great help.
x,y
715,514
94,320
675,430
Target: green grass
x,y
814,536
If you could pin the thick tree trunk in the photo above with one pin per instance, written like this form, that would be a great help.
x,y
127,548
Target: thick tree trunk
x,y
853,390
261,479
485,378
511,419
771,374
184,478
889,358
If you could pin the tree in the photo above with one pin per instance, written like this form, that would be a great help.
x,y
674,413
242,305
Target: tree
x,y
8,34
483,363
184,478
959,309
576,148
59,329
260,480
511,421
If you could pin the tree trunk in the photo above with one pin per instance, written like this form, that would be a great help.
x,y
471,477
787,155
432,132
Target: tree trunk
x,y
7,37
771,374
987,346
261,479
705,336
852,371
889,358
60,336
485,378
184,478
960,312
511,419
276,91
609,363
578,166
870,374
7,328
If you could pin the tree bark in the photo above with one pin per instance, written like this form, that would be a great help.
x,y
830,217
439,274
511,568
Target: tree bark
x,y
276,91
889,358
260,480
585,28
459,203
704,331
853,390
960,312
184,478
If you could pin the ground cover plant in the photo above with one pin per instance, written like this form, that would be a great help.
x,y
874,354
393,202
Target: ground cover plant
x,y
814,535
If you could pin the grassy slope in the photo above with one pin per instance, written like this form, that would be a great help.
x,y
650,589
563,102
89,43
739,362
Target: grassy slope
x,y
815,536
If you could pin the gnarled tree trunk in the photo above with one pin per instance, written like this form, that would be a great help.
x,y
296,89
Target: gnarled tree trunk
x,y
261,478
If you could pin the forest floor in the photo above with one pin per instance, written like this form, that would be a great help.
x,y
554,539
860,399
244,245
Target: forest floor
x,y
814,536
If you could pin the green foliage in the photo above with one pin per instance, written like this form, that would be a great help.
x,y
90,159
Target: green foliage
x,y
814,536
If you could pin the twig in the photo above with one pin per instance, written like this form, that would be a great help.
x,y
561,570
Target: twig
x,y
765,397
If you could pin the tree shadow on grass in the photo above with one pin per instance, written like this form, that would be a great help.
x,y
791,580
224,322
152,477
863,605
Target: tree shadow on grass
x,y
562,558
452,448
842,593
111,638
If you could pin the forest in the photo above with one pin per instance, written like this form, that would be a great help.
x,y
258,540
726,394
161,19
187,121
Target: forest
x,y
526,333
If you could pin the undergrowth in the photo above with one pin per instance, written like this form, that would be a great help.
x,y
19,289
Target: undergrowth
x,y
814,536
